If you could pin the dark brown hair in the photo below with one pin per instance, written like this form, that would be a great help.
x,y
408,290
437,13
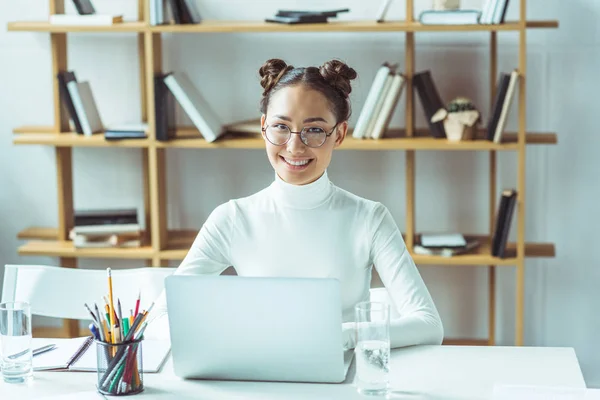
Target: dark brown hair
x,y
332,79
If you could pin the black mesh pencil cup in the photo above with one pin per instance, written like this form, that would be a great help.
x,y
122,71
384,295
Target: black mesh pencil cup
x,y
120,367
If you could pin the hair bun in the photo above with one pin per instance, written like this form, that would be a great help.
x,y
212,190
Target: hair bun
x,y
338,75
270,73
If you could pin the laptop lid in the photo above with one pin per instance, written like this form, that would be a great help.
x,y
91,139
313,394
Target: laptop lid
x,y
256,328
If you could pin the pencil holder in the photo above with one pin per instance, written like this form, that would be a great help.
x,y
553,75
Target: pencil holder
x,y
120,367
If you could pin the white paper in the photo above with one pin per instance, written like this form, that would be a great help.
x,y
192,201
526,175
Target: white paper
x,y
443,240
524,392
87,395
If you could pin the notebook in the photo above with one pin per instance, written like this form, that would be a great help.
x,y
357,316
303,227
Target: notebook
x,y
79,354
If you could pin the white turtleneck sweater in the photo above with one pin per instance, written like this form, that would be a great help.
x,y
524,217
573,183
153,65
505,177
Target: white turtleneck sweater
x,y
315,230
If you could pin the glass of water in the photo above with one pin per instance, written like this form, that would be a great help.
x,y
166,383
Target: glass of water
x,y
15,341
372,348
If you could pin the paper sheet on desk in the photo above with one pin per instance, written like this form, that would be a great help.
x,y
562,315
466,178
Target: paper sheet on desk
x,y
87,395
524,392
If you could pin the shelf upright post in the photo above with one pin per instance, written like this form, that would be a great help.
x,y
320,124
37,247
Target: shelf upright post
x,y
520,287
63,155
156,156
493,191
409,70
143,14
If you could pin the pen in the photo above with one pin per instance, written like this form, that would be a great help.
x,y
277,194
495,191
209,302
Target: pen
x,y
35,352
111,305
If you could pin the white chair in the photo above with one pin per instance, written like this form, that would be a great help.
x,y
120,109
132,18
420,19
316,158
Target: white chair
x,y
62,292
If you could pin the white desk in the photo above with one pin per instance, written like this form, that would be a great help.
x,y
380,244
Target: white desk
x,y
423,372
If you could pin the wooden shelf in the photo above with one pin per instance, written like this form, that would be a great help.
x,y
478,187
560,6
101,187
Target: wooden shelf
x,y
45,26
482,255
55,248
37,232
187,137
73,139
220,26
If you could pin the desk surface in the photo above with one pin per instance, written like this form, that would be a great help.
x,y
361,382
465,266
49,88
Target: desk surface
x,y
422,372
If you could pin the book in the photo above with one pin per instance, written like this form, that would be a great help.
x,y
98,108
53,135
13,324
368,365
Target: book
x,y
164,110
449,17
507,102
85,20
79,354
496,110
383,9
446,251
85,106
504,216
443,240
126,131
64,77
388,107
105,216
367,111
195,105
84,7
431,101
379,105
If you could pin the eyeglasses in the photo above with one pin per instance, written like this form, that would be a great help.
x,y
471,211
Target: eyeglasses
x,y
280,134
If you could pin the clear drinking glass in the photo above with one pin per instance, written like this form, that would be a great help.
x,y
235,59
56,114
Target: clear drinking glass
x,y
372,348
15,340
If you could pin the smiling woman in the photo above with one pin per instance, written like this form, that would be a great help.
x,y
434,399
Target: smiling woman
x,y
302,225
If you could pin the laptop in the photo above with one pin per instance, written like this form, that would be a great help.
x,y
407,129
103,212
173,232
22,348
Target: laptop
x,y
256,328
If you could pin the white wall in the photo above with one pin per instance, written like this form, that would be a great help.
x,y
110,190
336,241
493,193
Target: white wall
x,y
452,193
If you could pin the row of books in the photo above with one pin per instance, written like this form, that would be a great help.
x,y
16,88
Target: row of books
x,y
106,228
493,12
380,103
383,95
79,102
448,245
174,11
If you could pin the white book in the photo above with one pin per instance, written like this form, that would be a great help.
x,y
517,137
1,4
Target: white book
x,y
487,11
85,107
85,20
105,229
360,129
500,5
196,107
383,9
378,105
388,106
514,78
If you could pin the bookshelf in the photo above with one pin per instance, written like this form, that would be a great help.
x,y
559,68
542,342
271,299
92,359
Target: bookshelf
x,y
163,245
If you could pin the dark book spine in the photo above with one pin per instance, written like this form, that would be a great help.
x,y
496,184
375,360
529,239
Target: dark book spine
x,y
512,201
496,110
185,12
63,79
175,11
84,7
500,218
160,109
430,102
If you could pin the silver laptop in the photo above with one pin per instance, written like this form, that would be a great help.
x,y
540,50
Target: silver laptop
x,y
254,328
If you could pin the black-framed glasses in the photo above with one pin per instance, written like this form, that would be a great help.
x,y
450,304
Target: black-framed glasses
x,y
279,134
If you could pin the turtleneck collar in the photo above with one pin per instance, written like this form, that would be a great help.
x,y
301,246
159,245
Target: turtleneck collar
x,y
306,196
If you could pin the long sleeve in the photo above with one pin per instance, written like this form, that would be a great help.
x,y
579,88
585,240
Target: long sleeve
x,y
418,321
209,255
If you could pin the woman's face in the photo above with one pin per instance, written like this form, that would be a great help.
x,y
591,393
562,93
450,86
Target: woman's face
x,y
298,107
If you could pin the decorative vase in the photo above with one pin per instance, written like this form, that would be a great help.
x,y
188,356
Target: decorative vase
x,y
444,5
460,119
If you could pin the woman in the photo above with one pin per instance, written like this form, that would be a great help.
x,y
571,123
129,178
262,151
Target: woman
x,y
304,226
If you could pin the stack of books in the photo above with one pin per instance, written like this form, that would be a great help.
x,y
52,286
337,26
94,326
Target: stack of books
x,y
444,244
177,86
86,16
505,91
174,11
375,116
106,228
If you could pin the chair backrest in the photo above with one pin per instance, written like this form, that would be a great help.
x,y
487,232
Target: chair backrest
x,y
62,292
